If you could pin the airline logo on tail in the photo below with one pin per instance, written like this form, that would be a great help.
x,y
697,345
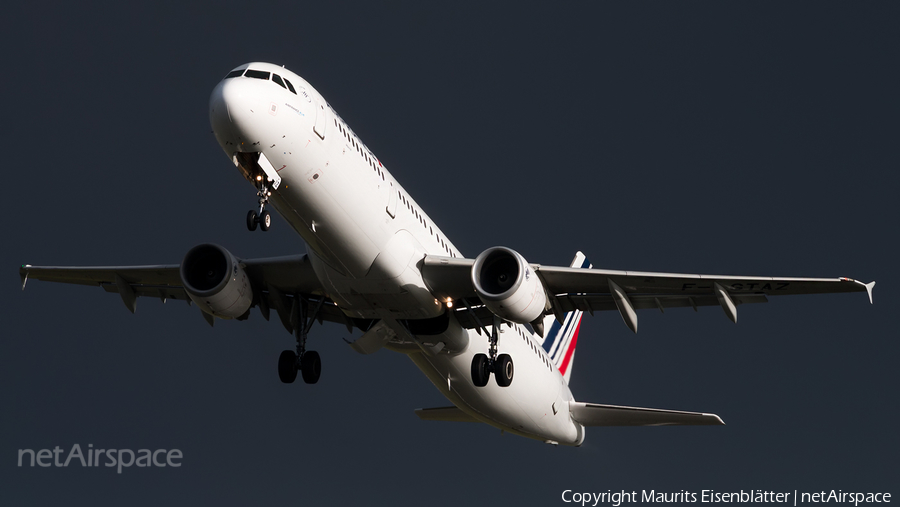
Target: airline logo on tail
x,y
562,338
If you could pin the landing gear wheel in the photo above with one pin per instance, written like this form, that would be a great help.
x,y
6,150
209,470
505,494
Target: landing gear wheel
x,y
311,367
265,221
252,220
287,366
480,371
503,370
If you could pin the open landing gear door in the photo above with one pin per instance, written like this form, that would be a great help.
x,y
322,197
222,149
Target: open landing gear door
x,y
251,167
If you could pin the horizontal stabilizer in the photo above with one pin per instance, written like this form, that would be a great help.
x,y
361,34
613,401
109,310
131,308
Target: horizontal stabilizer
x,y
444,414
592,414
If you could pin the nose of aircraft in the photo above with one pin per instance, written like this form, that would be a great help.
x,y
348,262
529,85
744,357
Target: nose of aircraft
x,y
231,105
219,119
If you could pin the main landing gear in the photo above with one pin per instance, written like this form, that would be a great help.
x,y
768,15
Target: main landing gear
x,y
309,365
501,365
262,218
307,362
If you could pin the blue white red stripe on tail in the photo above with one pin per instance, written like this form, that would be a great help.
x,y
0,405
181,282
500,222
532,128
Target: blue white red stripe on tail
x,y
561,338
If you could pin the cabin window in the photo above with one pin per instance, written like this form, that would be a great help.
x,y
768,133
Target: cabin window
x,y
257,74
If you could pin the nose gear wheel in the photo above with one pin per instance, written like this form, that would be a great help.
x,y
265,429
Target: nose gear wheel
x,y
260,218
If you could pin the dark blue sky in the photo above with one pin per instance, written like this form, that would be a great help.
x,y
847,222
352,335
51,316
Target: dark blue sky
x,y
755,138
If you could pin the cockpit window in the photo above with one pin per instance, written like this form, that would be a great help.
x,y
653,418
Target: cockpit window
x,y
235,73
290,86
277,79
258,74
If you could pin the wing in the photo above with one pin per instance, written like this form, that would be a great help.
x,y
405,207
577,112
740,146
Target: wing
x,y
162,281
277,282
592,290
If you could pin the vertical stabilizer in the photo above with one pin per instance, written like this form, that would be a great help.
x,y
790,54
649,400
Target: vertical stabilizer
x,y
561,339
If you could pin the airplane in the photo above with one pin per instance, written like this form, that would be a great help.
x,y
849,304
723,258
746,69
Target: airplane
x,y
376,262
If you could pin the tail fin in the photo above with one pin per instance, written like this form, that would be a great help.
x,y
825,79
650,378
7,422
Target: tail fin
x,y
561,339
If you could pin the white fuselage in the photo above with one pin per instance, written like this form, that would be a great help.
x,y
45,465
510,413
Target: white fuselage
x,y
366,236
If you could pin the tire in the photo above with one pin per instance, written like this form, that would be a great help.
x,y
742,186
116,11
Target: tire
x,y
265,221
311,367
287,366
480,373
503,370
252,220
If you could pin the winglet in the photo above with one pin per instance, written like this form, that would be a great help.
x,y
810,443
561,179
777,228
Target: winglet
x,y
23,273
869,287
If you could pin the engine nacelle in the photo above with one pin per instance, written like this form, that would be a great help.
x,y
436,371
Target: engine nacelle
x,y
214,279
508,286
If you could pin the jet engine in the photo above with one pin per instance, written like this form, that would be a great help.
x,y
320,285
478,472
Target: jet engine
x,y
508,286
214,279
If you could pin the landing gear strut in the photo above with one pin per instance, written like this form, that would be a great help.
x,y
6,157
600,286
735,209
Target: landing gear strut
x,y
305,361
501,365
261,217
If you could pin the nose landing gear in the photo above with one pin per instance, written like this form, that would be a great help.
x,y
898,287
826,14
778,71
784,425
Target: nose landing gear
x,y
262,218
309,365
